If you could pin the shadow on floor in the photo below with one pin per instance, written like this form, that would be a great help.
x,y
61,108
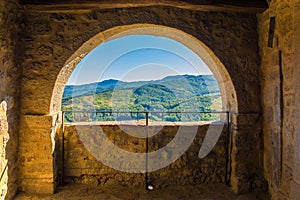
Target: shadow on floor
x,y
85,192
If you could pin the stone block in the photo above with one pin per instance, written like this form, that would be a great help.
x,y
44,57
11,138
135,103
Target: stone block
x,y
296,169
38,186
240,185
245,120
295,191
35,134
36,121
73,172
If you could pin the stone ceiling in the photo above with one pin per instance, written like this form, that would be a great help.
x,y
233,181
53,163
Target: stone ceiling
x,y
203,5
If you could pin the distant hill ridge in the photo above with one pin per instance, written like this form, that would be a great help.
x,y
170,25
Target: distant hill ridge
x,y
186,93
172,82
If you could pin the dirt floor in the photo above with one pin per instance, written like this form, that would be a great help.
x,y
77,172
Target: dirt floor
x,y
84,192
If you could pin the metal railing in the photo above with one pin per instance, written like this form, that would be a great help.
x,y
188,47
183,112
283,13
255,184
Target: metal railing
x,y
147,119
142,116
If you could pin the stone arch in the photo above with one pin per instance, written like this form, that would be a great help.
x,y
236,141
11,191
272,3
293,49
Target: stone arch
x,y
226,85
228,93
42,116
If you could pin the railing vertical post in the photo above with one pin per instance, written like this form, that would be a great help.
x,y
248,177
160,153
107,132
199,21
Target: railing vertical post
x,y
147,118
147,149
63,149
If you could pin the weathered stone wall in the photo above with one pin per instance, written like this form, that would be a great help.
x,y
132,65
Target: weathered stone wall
x,y
37,154
52,36
246,149
280,83
10,49
295,185
80,165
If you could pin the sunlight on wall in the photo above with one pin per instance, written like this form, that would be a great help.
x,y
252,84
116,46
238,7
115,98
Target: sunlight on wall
x,y
4,137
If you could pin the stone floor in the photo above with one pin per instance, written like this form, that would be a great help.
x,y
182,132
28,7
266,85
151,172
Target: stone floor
x,y
84,192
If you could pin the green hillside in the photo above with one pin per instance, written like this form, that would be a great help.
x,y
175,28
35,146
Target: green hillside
x,y
172,94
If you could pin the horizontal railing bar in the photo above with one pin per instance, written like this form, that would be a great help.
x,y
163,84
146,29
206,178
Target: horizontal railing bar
x,y
150,112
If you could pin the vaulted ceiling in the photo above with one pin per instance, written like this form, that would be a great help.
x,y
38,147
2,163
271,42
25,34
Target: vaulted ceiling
x,y
205,5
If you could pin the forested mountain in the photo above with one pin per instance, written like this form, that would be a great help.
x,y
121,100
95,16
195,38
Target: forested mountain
x,y
182,93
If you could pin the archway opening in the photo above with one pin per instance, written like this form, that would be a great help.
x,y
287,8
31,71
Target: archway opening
x,y
229,101
135,74
226,88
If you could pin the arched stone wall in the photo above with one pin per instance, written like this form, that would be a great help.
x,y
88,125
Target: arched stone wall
x,y
224,80
53,36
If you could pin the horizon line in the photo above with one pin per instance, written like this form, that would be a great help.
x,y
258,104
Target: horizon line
x,y
137,79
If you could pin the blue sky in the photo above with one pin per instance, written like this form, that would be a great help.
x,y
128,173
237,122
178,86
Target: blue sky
x,y
136,58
